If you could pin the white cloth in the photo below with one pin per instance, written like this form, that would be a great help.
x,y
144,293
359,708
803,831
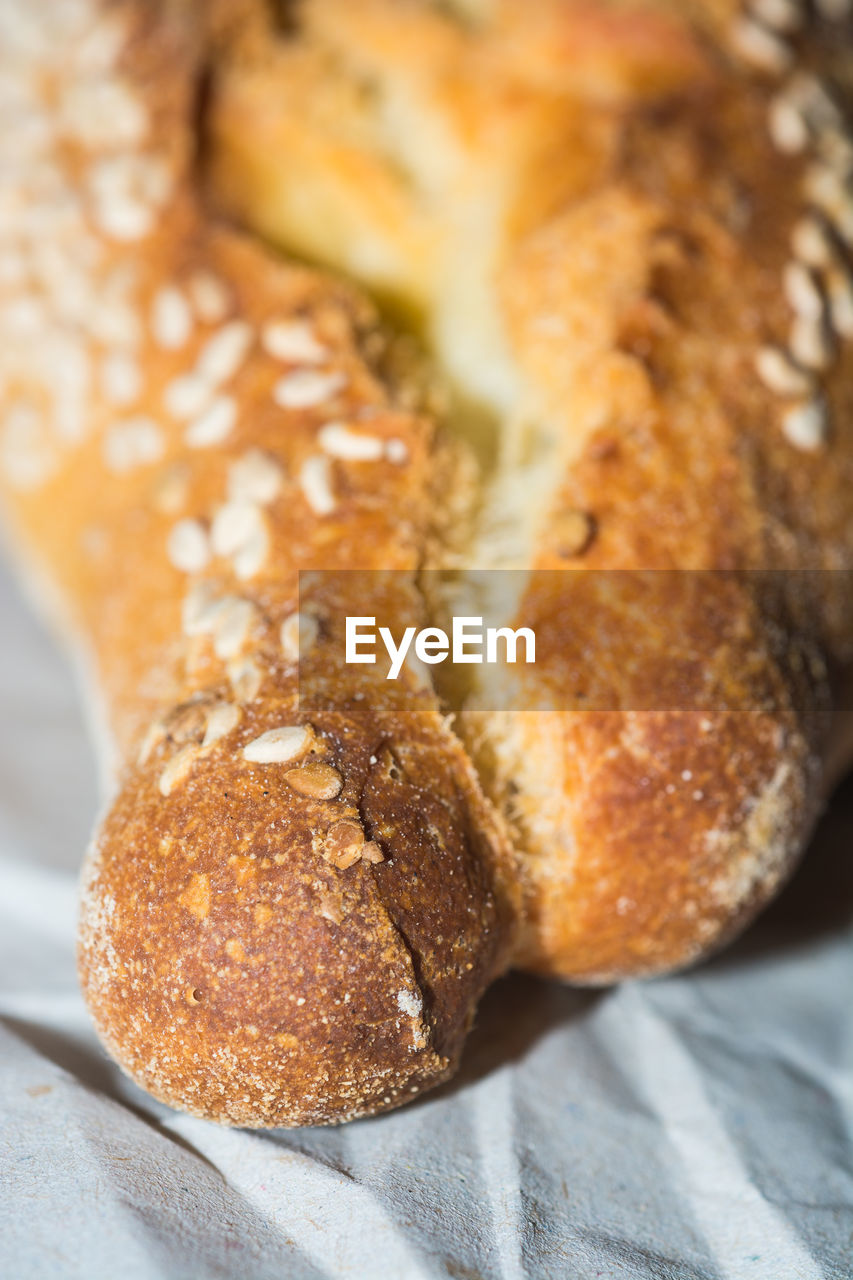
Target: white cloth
x,y
697,1127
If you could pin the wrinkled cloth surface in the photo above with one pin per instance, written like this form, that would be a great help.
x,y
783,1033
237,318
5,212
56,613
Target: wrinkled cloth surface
x,y
697,1127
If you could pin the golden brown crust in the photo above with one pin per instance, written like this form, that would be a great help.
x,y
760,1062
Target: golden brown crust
x,y
239,973
648,169
686,253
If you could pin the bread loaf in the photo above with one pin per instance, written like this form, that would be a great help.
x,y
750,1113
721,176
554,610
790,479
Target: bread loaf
x,y
636,296
624,231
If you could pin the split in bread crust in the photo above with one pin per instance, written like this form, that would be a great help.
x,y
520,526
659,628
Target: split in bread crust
x,y
622,229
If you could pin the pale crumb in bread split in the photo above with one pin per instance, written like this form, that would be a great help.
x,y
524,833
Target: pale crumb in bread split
x,y
214,424
293,342
188,546
418,672
13,269
825,187
315,481
315,779
254,477
24,317
812,242
339,440
298,635
279,745
307,388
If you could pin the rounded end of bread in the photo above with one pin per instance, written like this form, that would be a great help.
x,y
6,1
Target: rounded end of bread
x,y
268,948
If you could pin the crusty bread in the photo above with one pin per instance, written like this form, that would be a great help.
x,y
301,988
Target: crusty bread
x,y
600,214
289,912
301,887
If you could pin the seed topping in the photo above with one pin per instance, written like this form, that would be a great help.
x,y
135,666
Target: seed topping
x,y
214,424
780,374
315,480
805,426
344,843
307,388
256,477
299,633
317,780
188,547
292,341
222,718
340,441
171,318
280,745
178,769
